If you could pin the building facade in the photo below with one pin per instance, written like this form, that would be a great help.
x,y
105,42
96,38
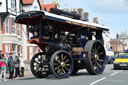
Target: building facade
x,y
10,33
13,36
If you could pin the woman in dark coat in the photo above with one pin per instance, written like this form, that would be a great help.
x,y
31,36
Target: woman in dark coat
x,y
11,66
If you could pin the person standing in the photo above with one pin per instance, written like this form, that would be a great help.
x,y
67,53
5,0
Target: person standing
x,y
1,54
3,66
22,65
11,66
17,64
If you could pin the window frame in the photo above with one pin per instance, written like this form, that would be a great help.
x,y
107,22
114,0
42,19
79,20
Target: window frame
x,y
19,50
18,29
13,4
7,25
7,46
13,26
14,51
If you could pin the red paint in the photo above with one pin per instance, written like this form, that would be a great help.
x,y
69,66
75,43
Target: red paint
x,y
3,47
3,31
10,48
28,55
33,50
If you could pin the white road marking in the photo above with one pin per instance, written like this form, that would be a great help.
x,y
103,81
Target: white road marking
x,y
97,81
115,73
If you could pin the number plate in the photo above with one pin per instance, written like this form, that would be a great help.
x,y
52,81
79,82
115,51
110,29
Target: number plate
x,y
123,64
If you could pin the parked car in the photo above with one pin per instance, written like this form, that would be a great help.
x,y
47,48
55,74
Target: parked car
x,y
121,61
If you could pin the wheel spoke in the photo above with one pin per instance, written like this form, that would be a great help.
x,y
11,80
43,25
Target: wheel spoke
x,y
37,69
57,67
66,68
66,64
66,61
98,64
57,59
100,53
93,50
100,60
58,71
37,62
62,58
98,48
92,54
63,71
39,58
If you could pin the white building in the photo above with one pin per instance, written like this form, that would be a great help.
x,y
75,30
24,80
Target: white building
x,y
10,32
106,37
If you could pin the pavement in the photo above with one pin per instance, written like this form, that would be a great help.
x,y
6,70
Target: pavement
x,y
27,74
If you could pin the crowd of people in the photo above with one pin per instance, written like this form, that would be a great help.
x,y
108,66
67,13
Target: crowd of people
x,y
15,66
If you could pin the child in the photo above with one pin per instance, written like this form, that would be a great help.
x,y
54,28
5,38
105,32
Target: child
x,y
3,66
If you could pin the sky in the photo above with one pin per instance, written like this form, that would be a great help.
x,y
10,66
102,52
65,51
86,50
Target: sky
x,y
111,13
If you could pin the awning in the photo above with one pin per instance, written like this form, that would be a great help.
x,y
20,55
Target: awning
x,y
31,17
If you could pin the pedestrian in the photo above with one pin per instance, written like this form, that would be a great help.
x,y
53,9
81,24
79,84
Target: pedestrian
x,y
1,54
21,66
11,66
3,67
17,64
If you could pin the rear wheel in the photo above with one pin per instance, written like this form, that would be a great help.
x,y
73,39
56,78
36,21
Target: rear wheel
x,y
39,65
96,59
61,64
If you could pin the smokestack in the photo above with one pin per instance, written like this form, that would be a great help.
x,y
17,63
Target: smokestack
x,y
80,12
86,16
95,20
74,11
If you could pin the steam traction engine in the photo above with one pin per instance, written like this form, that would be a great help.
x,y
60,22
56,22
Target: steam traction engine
x,y
67,43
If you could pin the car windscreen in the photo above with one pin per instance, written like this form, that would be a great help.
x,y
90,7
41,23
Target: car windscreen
x,y
122,56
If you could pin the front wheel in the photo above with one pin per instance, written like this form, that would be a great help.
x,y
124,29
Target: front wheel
x,y
61,64
39,65
96,60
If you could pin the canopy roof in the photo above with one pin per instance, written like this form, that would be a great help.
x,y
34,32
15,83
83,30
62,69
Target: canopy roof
x,y
34,17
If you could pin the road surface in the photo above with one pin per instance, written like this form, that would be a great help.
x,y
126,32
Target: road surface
x,y
109,77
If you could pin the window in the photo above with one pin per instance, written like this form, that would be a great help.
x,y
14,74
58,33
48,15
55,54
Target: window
x,y
7,25
18,29
13,27
13,50
19,50
13,4
35,49
7,49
